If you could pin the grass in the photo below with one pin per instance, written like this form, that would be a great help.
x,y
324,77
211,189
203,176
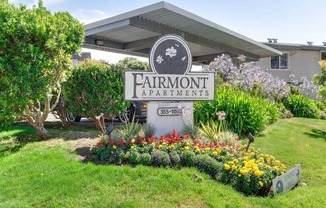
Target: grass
x,y
47,174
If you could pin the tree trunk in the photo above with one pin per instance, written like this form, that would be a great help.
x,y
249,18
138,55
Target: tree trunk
x,y
99,123
61,112
42,132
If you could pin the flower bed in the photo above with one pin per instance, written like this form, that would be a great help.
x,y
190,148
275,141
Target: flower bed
x,y
249,172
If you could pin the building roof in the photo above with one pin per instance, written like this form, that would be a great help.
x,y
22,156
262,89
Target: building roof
x,y
294,46
134,33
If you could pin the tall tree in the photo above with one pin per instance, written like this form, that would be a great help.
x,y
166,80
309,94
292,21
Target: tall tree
x,y
35,52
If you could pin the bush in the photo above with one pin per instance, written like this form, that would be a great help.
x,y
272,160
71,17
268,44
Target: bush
x,y
207,164
145,159
244,113
175,158
188,158
160,158
134,158
301,106
93,88
284,113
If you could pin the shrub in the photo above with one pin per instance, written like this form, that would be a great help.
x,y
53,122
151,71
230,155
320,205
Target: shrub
x,y
175,158
188,158
160,158
284,113
145,159
301,106
244,113
95,87
134,158
207,164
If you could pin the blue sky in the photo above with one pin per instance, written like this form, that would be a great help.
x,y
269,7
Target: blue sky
x,y
290,21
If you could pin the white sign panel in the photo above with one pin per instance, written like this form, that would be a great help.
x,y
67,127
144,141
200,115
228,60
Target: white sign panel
x,y
166,116
153,87
287,181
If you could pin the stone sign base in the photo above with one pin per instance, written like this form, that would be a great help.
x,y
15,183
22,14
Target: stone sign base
x,y
167,115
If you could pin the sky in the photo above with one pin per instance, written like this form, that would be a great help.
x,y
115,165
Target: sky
x,y
290,21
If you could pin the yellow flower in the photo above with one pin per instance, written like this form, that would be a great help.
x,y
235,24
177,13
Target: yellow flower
x,y
186,147
132,147
164,143
203,152
153,143
231,163
133,141
160,146
218,150
114,147
234,167
215,153
235,161
259,173
207,149
244,171
261,183
239,175
227,166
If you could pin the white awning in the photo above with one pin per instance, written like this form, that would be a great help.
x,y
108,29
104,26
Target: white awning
x,y
134,33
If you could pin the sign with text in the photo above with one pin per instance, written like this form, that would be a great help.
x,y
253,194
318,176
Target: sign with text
x,y
169,111
170,79
287,181
151,86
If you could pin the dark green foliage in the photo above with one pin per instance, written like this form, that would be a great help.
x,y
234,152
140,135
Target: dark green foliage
x,y
301,106
244,113
35,50
134,158
207,164
95,87
130,63
188,158
145,159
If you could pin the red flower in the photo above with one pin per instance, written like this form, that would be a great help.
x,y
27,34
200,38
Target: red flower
x,y
99,144
121,142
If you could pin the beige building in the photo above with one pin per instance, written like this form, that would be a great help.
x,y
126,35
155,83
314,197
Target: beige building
x,y
298,59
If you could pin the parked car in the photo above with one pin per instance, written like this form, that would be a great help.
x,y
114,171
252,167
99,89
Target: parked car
x,y
139,109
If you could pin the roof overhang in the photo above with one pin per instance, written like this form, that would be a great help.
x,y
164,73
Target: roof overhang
x,y
134,33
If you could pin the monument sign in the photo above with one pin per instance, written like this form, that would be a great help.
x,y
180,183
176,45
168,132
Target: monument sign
x,y
287,181
171,82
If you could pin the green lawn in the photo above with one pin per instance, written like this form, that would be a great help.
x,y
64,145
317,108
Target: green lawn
x,y
47,174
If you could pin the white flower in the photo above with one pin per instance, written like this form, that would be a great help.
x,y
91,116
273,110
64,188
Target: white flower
x,y
171,52
242,58
159,59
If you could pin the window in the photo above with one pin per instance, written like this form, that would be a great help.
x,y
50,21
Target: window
x,y
323,55
279,62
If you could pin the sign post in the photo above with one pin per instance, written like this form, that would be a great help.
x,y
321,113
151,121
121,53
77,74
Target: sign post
x,y
170,84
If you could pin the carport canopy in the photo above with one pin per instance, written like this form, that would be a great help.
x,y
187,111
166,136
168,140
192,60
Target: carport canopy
x,y
135,32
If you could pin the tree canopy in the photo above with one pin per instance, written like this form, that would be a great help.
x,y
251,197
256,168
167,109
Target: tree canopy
x,y
35,50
